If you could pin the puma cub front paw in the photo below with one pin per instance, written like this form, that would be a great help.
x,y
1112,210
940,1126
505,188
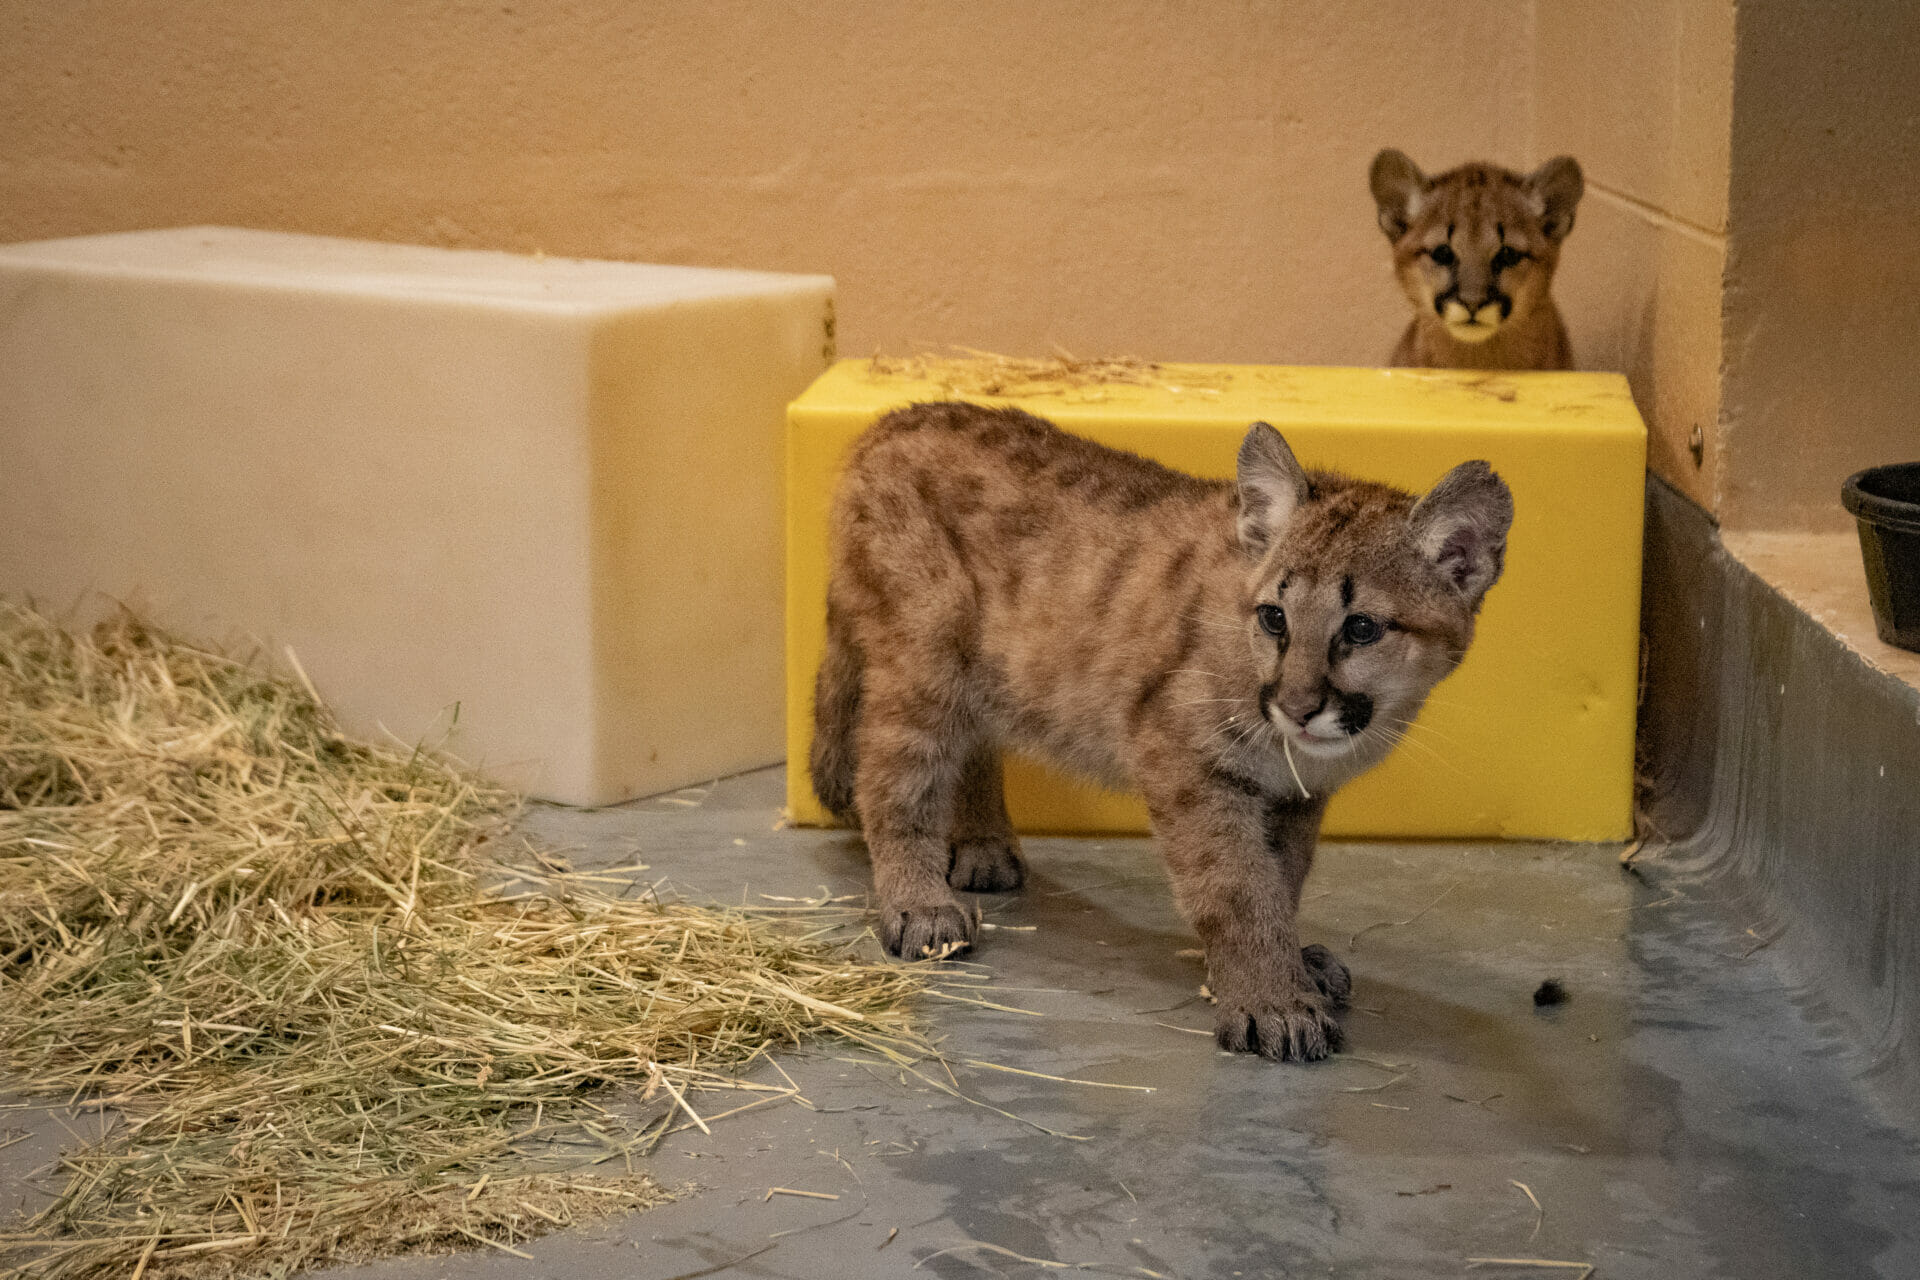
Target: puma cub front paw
x,y
1294,1026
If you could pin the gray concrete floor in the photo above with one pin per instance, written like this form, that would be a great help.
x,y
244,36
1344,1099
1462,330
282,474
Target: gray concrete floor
x,y
1686,1114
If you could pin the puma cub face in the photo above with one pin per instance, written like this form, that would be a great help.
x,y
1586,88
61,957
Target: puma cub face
x,y
1474,250
1233,651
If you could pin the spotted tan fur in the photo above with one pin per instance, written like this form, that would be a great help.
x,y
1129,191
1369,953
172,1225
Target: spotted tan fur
x,y
1474,250
998,583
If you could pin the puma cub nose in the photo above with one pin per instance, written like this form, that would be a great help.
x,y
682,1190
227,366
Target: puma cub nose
x,y
1301,710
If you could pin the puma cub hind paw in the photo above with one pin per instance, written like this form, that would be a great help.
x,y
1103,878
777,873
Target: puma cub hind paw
x,y
987,865
931,932
1297,1030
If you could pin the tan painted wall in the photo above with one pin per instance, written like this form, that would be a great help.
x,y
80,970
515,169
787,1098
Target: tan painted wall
x,y
1747,250
1180,180
1823,280
1641,91
1169,179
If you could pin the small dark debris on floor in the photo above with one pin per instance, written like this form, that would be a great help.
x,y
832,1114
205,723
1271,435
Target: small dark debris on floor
x,y
1549,993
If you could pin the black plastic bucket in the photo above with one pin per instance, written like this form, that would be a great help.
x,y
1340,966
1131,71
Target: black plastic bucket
x,y
1886,503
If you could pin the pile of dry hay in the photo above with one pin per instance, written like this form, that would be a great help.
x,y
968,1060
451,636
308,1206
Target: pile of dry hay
x,y
332,1028
985,373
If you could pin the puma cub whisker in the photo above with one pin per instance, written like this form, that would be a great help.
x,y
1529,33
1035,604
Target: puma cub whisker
x,y
1235,651
1474,250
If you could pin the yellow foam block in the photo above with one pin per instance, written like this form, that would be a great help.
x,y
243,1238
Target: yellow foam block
x,y
1532,738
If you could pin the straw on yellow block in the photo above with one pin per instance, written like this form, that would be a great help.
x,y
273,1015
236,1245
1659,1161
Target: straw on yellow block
x,y
1531,738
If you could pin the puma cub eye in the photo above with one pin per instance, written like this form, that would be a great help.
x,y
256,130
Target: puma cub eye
x,y
1442,255
1273,619
1507,256
1360,629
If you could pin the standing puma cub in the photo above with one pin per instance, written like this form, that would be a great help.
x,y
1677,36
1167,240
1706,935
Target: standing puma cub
x,y
1234,651
1475,250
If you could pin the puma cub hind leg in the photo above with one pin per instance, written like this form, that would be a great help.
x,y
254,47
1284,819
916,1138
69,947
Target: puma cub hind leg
x,y
985,855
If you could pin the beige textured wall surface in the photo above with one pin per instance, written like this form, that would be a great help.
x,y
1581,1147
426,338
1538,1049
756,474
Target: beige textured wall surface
x,y
1823,277
1176,180
1641,92
1179,180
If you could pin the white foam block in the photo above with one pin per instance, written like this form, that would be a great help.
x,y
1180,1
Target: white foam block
x,y
548,491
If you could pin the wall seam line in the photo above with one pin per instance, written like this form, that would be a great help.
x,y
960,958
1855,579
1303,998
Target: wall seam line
x,y
1658,216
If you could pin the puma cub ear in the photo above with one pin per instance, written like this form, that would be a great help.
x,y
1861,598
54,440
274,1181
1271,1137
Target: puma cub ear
x,y
1398,188
1557,187
1271,486
1460,528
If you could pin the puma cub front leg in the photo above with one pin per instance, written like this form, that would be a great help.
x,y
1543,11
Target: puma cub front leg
x,y
910,765
1237,861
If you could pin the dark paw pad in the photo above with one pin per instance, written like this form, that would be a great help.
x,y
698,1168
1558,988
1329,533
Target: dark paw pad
x,y
1300,1030
926,933
1329,975
988,865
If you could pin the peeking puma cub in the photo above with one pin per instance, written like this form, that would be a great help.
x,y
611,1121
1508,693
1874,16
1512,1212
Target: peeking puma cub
x,y
1475,250
1234,651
